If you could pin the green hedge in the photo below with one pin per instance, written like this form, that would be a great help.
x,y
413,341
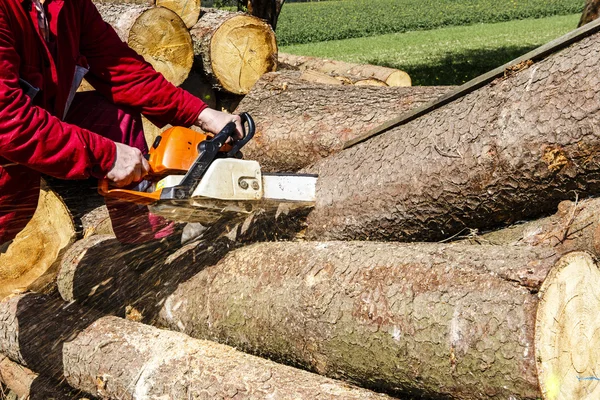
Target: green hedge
x,y
344,19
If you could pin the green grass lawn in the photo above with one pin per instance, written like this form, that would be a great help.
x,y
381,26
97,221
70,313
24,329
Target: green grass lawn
x,y
445,56
344,19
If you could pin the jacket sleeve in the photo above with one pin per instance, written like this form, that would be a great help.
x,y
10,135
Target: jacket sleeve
x,y
30,136
124,77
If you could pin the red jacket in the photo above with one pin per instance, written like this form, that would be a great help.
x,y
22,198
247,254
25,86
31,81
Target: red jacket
x,y
32,133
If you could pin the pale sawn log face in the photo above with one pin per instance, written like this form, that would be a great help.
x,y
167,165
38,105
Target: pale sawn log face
x,y
509,151
300,122
38,247
425,319
236,49
156,33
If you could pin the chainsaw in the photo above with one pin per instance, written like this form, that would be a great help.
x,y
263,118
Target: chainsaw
x,y
198,178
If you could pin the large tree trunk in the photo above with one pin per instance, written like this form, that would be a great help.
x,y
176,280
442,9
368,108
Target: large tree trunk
x,y
299,122
111,357
265,9
235,48
157,33
390,76
590,11
575,226
506,152
32,258
468,322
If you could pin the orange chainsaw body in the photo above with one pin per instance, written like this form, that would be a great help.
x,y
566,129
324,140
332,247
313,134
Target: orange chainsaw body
x,y
172,153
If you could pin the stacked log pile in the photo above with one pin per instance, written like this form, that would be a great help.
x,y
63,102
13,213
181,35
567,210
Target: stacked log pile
x,y
348,291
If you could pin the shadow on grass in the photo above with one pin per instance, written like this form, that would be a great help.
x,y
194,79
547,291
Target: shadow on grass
x,y
456,68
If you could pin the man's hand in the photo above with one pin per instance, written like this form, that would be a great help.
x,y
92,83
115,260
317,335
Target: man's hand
x,y
130,166
213,121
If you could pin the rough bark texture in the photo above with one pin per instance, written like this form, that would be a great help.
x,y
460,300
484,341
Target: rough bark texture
x,y
509,151
265,9
590,12
391,76
427,319
114,358
299,122
135,280
34,254
235,49
28,385
156,33
575,226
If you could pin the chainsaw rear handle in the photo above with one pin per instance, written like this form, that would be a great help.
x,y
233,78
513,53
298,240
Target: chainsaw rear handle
x,y
228,132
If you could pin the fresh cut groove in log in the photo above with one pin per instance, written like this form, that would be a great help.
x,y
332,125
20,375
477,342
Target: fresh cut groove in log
x,y
509,151
156,33
424,319
575,226
111,357
300,122
236,49
351,71
32,258
188,10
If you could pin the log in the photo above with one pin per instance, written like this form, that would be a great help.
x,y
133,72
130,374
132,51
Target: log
x,y
156,33
100,273
456,321
31,260
28,385
575,226
265,9
352,71
299,122
111,357
235,48
509,151
590,12
188,10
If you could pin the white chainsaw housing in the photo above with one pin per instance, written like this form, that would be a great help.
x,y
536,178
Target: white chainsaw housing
x,y
236,186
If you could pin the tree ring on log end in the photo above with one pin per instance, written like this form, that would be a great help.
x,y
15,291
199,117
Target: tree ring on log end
x,y
38,246
398,78
567,330
188,10
164,41
242,49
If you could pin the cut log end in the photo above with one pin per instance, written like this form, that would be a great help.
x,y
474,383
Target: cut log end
x,y
567,330
188,10
242,50
37,247
398,78
163,39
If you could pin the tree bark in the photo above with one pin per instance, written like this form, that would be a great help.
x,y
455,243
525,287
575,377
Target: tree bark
x,y
156,33
425,319
31,259
110,357
188,10
235,48
575,226
509,151
28,385
299,122
590,12
265,9
354,72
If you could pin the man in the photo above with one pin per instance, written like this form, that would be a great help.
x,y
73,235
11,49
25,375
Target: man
x,y
45,127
